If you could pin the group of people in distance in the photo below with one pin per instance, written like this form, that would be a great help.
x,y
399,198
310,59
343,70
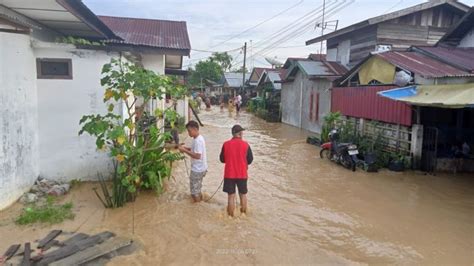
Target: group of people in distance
x,y
235,102
235,153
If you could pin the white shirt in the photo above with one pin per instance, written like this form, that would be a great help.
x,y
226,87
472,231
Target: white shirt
x,y
199,146
239,99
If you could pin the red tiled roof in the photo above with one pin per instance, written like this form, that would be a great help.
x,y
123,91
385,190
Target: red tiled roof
x,y
422,65
459,57
150,32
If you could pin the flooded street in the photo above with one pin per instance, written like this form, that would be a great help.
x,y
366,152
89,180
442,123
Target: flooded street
x,y
302,210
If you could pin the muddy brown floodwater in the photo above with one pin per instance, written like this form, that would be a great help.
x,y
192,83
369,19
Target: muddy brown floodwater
x,y
303,210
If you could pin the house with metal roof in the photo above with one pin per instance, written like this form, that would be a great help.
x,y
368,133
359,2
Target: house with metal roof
x,y
414,90
423,24
305,94
48,80
233,83
445,107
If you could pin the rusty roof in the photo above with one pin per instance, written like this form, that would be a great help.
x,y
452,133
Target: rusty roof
x,y
422,65
150,32
315,69
459,57
259,70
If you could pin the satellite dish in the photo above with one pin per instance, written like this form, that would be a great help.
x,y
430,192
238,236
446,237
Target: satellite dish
x,y
273,61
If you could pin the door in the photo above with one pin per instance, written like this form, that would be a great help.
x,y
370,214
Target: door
x,y
430,149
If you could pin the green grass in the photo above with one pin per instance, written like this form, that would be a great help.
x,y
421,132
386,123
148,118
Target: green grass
x,y
49,213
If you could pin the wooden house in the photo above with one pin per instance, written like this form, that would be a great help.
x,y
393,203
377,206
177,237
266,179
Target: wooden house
x,y
423,24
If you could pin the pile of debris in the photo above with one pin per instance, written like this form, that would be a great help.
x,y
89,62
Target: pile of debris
x,y
76,249
42,188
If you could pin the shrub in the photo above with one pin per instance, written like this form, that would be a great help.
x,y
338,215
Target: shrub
x,y
135,142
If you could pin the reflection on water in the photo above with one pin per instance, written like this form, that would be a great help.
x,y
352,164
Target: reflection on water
x,y
301,210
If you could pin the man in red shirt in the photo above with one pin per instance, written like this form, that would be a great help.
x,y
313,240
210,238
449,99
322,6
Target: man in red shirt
x,y
237,155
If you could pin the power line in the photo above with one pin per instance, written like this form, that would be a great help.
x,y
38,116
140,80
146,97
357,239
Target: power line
x,y
334,8
301,30
208,51
309,18
253,27
289,26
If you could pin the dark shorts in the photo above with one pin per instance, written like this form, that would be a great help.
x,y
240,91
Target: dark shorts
x,y
230,183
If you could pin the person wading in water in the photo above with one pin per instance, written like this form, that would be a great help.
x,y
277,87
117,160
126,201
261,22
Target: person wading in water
x,y
197,152
237,156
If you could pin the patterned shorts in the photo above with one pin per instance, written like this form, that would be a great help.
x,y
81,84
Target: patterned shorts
x,y
195,182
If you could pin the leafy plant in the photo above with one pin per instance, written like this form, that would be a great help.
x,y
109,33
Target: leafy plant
x,y
48,213
329,124
135,142
223,59
78,41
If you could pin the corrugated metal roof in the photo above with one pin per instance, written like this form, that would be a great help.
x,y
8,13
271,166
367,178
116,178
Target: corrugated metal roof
x,y
315,69
234,80
150,32
322,68
460,57
422,65
363,102
275,78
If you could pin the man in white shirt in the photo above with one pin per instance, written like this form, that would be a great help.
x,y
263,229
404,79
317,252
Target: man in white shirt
x,y
197,152
238,102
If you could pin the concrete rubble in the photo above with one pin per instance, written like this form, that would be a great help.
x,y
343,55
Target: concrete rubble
x,y
42,188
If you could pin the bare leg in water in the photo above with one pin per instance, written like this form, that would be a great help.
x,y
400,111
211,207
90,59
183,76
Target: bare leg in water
x,y
243,203
197,198
231,204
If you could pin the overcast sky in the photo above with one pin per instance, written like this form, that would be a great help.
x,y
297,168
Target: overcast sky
x,y
211,22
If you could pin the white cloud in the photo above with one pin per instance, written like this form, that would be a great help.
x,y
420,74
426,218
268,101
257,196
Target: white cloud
x,y
213,21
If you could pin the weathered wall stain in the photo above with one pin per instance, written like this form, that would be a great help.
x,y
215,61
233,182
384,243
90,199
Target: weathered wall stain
x,y
19,165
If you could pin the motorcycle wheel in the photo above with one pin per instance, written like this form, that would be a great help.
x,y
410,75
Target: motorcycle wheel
x,y
348,163
325,154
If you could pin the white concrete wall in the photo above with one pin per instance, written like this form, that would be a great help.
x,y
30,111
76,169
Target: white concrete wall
x,y
155,62
182,108
64,155
468,40
19,165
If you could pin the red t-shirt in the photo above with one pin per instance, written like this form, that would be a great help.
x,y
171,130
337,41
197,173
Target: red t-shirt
x,y
237,155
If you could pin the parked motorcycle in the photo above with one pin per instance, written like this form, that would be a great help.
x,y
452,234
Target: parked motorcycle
x,y
342,153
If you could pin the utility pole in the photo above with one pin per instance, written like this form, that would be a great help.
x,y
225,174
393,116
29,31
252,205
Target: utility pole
x,y
322,28
243,69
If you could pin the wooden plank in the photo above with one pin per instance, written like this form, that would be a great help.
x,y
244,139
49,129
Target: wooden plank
x,y
68,250
92,253
73,239
50,244
26,255
10,252
52,235
197,117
